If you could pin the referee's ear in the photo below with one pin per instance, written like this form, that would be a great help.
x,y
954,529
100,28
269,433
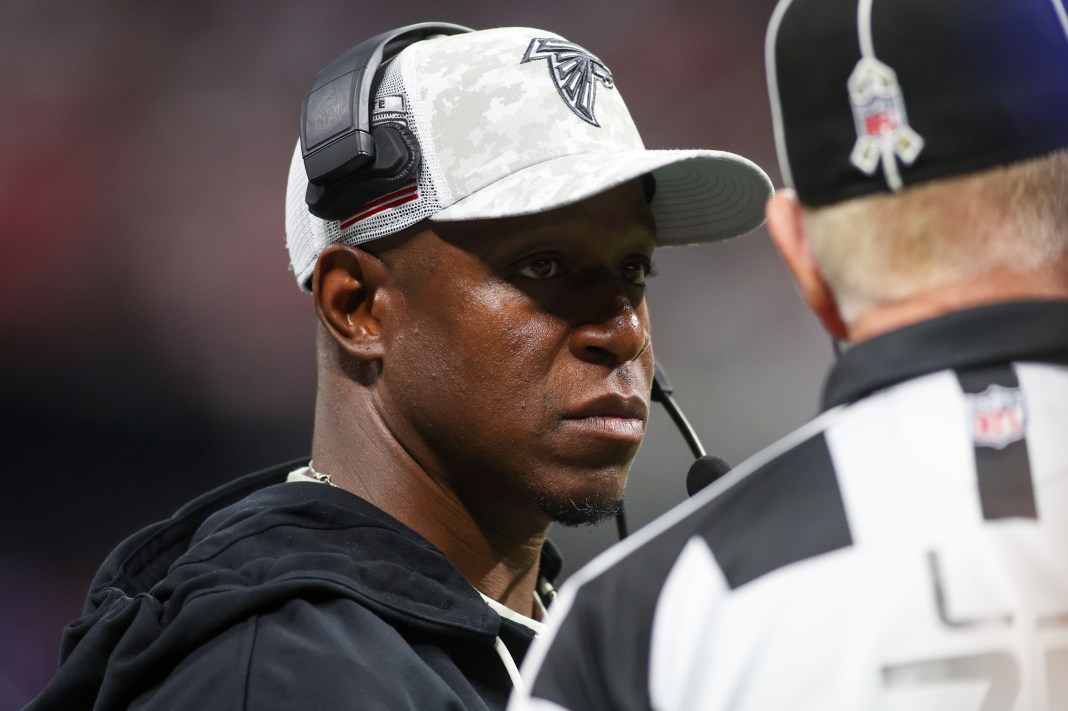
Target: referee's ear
x,y
787,231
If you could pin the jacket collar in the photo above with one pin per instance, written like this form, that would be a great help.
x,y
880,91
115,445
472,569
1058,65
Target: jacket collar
x,y
1020,330
257,518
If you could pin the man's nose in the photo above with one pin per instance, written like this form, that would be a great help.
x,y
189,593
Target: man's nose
x,y
614,330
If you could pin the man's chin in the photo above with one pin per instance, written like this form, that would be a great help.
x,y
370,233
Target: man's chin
x,y
587,510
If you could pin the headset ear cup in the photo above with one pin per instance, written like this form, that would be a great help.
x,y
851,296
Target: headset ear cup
x,y
397,162
349,162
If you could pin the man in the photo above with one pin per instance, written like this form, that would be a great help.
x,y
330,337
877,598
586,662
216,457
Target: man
x,y
474,215
908,548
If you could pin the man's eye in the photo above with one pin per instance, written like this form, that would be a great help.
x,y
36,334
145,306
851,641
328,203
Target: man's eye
x,y
543,268
637,272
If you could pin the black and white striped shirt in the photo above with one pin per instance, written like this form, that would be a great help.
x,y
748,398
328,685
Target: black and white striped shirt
x,y
907,549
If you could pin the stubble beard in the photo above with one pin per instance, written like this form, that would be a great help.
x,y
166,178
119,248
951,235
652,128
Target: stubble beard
x,y
582,511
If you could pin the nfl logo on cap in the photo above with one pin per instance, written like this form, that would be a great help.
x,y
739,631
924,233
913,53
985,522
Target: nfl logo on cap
x,y
883,131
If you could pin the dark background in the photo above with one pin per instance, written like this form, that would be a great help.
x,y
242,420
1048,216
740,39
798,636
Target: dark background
x,y
154,342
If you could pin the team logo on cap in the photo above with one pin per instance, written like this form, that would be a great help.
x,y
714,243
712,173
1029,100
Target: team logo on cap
x,y
883,131
998,417
575,73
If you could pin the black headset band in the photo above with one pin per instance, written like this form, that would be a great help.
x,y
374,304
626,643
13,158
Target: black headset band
x,y
335,125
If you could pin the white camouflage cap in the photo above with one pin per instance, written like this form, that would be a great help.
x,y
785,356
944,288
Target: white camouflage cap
x,y
517,121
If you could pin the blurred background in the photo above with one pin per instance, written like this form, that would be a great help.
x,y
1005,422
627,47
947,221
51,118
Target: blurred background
x,y
155,343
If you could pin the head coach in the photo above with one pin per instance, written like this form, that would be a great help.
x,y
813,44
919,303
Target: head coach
x,y
474,215
908,548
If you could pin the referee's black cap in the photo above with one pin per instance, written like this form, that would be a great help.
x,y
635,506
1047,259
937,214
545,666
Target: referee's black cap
x,y
873,96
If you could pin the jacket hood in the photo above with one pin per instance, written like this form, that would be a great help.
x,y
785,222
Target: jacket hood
x,y
247,547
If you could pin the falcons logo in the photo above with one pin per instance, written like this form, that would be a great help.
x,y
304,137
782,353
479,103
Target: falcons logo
x,y
575,73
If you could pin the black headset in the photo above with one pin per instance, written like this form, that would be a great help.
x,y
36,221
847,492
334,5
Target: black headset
x,y
348,162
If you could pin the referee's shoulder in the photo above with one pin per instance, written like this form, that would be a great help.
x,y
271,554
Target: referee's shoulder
x,y
755,519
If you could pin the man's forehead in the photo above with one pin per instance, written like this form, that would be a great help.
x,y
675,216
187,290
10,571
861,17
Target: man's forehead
x,y
619,215
618,220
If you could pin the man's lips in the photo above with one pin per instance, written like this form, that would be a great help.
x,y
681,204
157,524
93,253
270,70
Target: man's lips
x,y
619,416
630,407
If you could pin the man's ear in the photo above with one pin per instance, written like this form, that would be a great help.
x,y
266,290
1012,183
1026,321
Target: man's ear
x,y
347,288
787,231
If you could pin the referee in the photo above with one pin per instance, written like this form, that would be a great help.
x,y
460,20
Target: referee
x,y
908,548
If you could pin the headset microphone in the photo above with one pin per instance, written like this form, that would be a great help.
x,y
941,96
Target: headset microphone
x,y
662,393
704,471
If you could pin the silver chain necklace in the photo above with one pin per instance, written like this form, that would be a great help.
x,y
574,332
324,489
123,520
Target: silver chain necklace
x,y
320,476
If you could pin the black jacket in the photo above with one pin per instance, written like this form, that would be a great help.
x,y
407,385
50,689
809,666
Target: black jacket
x,y
270,595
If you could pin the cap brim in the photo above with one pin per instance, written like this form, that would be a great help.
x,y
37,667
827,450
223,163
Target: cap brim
x,y
701,195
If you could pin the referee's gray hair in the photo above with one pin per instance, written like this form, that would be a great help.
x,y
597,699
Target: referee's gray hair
x,y
885,247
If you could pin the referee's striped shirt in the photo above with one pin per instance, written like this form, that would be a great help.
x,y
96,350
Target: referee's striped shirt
x,y
907,549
